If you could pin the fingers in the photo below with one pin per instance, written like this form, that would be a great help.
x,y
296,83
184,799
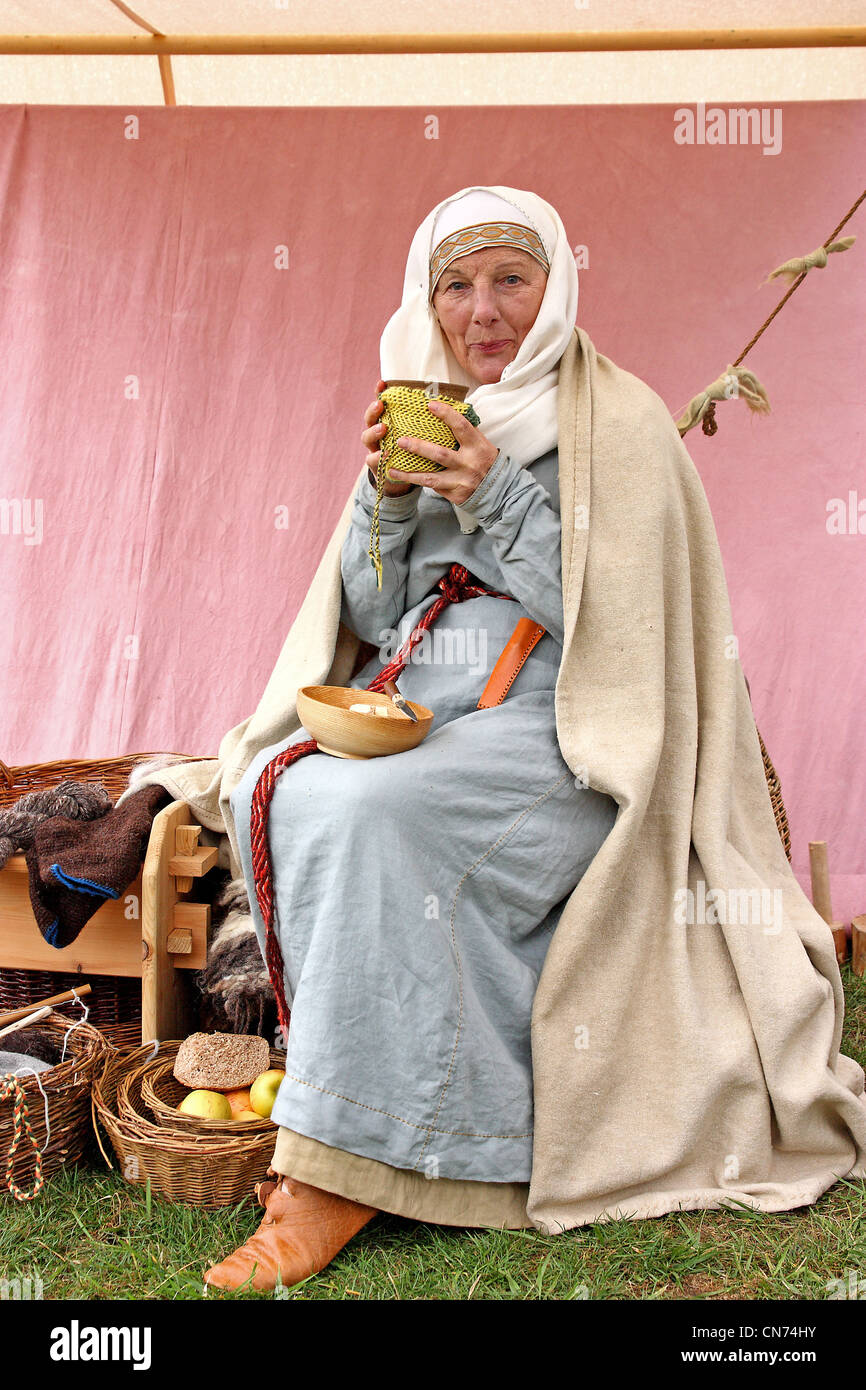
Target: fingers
x,y
438,481
371,438
460,427
375,407
437,453
373,411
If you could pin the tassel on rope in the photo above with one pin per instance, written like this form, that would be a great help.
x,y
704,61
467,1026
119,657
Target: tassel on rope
x,y
703,407
735,382
12,1089
458,584
815,260
374,551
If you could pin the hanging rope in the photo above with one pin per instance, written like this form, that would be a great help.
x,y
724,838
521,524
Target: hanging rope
x,y
737,381
458,584
12,1089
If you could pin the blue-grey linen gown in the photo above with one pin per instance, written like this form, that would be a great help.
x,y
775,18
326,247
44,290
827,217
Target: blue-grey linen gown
x,y
416,894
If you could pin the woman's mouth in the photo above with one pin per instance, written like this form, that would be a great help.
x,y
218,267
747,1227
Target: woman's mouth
x,y
492,347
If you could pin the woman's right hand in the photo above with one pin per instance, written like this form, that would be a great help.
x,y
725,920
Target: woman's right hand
x,y
371,438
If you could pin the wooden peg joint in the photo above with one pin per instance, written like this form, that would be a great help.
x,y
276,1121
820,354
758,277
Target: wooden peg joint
x,y
190,860
187,941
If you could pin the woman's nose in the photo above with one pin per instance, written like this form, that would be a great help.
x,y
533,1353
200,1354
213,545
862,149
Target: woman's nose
x,y
484,306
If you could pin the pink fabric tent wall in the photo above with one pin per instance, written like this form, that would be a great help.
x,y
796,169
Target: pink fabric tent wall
x,y
182,399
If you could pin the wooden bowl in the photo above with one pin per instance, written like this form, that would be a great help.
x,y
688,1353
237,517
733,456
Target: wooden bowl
x,y
324,711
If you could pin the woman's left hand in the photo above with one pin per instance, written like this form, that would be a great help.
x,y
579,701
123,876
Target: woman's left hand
x,y
463,468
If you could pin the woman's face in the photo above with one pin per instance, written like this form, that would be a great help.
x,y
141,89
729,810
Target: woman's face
x,y
486,304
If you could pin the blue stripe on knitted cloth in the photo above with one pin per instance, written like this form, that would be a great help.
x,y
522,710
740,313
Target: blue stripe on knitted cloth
x,y
50,932
84,885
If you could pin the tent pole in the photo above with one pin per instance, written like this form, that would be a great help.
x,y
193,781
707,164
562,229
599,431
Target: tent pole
x,y
810,36
167,76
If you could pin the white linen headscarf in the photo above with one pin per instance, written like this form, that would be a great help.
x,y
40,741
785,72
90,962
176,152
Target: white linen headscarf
x,y
518,412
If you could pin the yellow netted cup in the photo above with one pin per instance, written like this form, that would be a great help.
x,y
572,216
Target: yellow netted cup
x,y
406,413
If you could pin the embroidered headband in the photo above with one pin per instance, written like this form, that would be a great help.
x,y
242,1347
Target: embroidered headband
x,y
468,239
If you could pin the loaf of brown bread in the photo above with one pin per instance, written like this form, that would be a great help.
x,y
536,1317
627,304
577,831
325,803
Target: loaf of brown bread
x,y
221,1061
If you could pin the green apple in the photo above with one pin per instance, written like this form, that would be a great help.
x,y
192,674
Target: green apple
x,y
263,1092
207,1105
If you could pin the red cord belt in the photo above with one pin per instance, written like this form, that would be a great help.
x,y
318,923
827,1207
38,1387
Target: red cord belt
x,y
458,584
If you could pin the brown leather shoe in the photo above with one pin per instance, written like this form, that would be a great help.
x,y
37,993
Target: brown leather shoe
x,y
303,1229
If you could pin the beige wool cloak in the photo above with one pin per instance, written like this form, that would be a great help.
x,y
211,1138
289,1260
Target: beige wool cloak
x,y
687,1022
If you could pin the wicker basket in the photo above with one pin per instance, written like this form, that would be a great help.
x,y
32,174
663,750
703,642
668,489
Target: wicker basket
x,y
205,1163
115,1001
67,1089
774,787
111,773
162,1092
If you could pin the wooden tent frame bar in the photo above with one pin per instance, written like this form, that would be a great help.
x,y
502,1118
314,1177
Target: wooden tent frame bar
x,y
632,40
162,46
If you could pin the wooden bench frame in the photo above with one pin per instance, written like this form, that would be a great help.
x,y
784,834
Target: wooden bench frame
x,y
148,933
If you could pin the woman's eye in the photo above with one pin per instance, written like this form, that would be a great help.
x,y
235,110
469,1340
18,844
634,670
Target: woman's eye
x,y
457,285
513,279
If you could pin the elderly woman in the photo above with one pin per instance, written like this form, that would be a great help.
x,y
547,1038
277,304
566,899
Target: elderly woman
x,y
417,893
416,897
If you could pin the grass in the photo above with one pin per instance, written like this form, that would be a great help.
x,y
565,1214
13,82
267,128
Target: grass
x,y
93,1236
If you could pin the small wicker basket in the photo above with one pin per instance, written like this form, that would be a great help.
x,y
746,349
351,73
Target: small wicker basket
x,y
202,1163
64,1092
162,1093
